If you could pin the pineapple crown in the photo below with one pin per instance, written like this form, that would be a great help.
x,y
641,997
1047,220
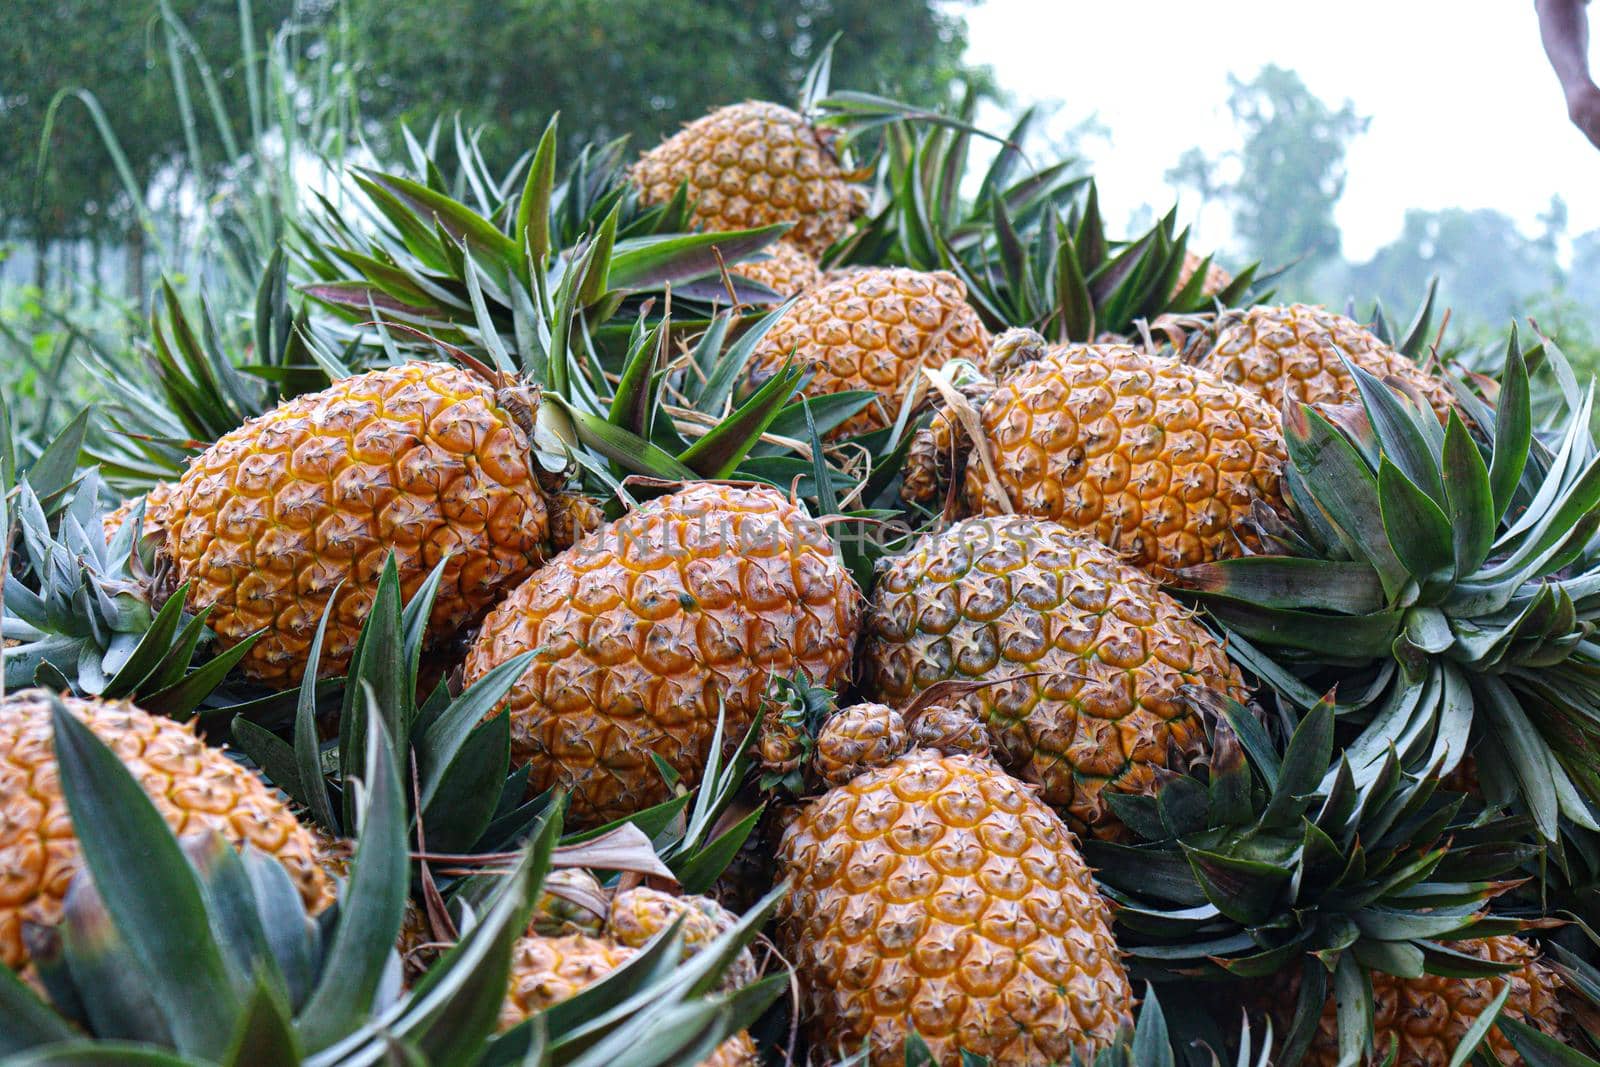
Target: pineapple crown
x,y
77,612
479,257
187,390
1032,249
1452,571
1308,861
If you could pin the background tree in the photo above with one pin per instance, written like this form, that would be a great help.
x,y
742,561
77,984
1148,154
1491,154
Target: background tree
x,y
115,52
1288,174
638,67
1487,267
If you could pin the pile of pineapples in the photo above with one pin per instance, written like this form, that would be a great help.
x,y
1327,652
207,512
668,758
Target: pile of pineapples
x,y
783,598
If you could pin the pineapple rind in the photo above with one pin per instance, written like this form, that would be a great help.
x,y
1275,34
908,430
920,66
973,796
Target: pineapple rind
x,y
195,787
1161,461
648,628
874,330
754,164
419,460
1292,353
1089,657
938,893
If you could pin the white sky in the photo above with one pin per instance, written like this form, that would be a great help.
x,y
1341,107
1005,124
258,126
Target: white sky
x,y
1465,109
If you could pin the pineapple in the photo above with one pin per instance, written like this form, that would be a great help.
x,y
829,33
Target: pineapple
x,y
873,330
788,269
1292,353
1216,279
156,503
934,893
1424,1019
548,970
860,735
1160,461
572,901
424,459
754,164
193,786
637,915
1087,657
573,516
651,628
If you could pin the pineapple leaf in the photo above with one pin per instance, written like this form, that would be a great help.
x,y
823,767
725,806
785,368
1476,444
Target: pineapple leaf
x,y
1417,527
148,888
1074,302
1416,335
152,647
275,757
1290,582
1405,434
654,262
29,1021
1469,498
1304,763
56,469
463,805
1244,890
373,908
1527,752
1538,1049
533,208
1513,428
1344,488
265,1034
438,747
182,697
460,222
377,661
307,747
628,450
717,453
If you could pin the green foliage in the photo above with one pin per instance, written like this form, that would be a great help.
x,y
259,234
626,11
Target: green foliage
x,y
90,61
1457,568
636,67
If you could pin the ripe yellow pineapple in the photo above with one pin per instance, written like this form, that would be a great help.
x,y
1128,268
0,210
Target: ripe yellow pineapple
x,y
755,164
1217,279
637,915
935,893
874,329
548,970
860,735
423,460
1425,1018
1292,352
1087,653
194,786
573,516
1157,460
156,502
647,629
787,270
